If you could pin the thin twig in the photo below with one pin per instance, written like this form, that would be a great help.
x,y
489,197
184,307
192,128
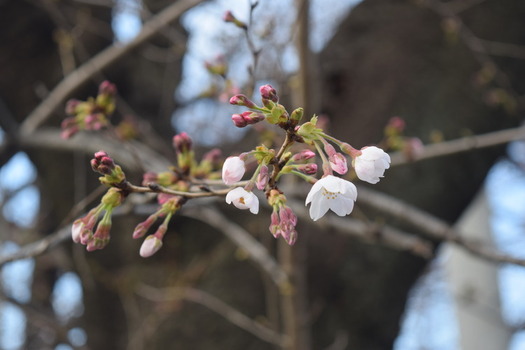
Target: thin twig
x,y
213,304
100,61
463,144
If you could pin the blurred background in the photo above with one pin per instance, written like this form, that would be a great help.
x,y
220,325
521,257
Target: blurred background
x,y
448,69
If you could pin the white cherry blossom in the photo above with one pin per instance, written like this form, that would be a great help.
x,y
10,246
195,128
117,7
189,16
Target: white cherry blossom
x,y
232,170
332,193
371,164
243,199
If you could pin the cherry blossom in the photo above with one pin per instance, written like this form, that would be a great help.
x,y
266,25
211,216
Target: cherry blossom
x,y
371,164
243,199
232,170
332,193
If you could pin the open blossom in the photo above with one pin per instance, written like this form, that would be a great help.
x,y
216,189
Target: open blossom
x,y
243,199
371,164
232,170
332,193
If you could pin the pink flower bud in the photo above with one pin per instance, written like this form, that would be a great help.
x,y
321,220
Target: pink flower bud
x,y
213,156
268,93
239,121
232,170
76,230
107,88
309,169
262,178
71,106
149,177
241,100
150,246
338,163
397,123
182,142
303,155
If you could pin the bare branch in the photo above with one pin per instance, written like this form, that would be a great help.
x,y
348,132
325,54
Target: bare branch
x,y
103,59
432,226
463,144
214,304
371,233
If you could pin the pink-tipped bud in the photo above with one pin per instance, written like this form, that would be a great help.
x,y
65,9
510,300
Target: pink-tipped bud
x,y
71,106
150,246
213,156
309,169
107,88
77,229
397,123
149,177
230,18
239,121
143,227
268,93
241,100
303,155
338,163
262,178
182,142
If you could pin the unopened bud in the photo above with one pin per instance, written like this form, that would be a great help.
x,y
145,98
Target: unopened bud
x,y
150,246
107,88
296,116
309,169
239,121
268,93
303,155
182,142
230,18
241,100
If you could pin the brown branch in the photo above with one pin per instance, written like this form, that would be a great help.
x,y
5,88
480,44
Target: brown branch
x,y
463,144
100,61
212,303
371,233
432,226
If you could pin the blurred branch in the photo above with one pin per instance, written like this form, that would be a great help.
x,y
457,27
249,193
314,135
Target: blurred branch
x,y
463,144
244,240
432,226
89,143
100,61
213,304
371,233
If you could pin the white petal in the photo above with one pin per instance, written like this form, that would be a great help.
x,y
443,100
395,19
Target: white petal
x,y
315,188
318,208
342,206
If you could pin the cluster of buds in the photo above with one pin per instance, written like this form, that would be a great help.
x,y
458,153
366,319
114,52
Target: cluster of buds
x,y
92,114
82,230
103,164
327,193
178,178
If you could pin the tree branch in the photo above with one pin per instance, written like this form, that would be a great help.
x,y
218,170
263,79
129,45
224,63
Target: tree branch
x,y
100,61
431,226
463,144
